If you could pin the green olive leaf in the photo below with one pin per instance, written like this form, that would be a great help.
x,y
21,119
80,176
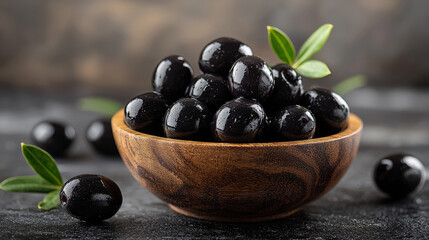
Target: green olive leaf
x,y
281,45
104,106
313,44
49,179
349,84
51,200
42,163
34,184
313,69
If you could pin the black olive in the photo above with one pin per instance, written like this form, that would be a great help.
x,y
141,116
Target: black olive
x,y
171,77
331,111
187,118
99,134
219,55
54,137
251,77
144,113
91,198
399,175
239,120
294,123
210,89
287,88
266,134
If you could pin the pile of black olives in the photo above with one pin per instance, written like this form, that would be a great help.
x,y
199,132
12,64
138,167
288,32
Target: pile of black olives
x,y
238,98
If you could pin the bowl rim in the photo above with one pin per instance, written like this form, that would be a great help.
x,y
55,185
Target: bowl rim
x,y
354,127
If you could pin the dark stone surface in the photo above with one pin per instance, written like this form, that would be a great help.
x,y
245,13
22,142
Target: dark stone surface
x,y
354,209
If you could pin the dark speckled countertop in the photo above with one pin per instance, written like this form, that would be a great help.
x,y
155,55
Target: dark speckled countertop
x,y
395,120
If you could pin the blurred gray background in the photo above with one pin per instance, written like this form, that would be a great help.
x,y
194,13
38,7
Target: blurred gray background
x,y
107,46
54,52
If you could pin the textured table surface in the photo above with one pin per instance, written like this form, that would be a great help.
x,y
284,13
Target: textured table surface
x,y
354,209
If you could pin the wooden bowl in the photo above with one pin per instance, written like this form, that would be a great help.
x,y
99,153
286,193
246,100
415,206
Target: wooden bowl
x,y
236,182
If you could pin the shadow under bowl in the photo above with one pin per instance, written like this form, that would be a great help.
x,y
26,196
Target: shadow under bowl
x,y
247,182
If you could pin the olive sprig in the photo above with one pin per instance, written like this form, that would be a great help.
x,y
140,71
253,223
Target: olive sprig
x,y
350,84
104,106
49,179
302,62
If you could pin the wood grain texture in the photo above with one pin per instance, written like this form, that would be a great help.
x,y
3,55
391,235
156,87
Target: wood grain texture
x,y
237,182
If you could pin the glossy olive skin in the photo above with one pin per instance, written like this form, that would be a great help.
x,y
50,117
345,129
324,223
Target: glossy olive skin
x,y
144,113
239,120
331,111
266,134
294,122
91,198
99,134
252,78
287,88
399,175
218,56
210,89
187,118
53,136
171,77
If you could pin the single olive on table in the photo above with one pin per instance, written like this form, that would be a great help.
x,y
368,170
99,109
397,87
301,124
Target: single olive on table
x,y
91,198
399,175
99,135
53,136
